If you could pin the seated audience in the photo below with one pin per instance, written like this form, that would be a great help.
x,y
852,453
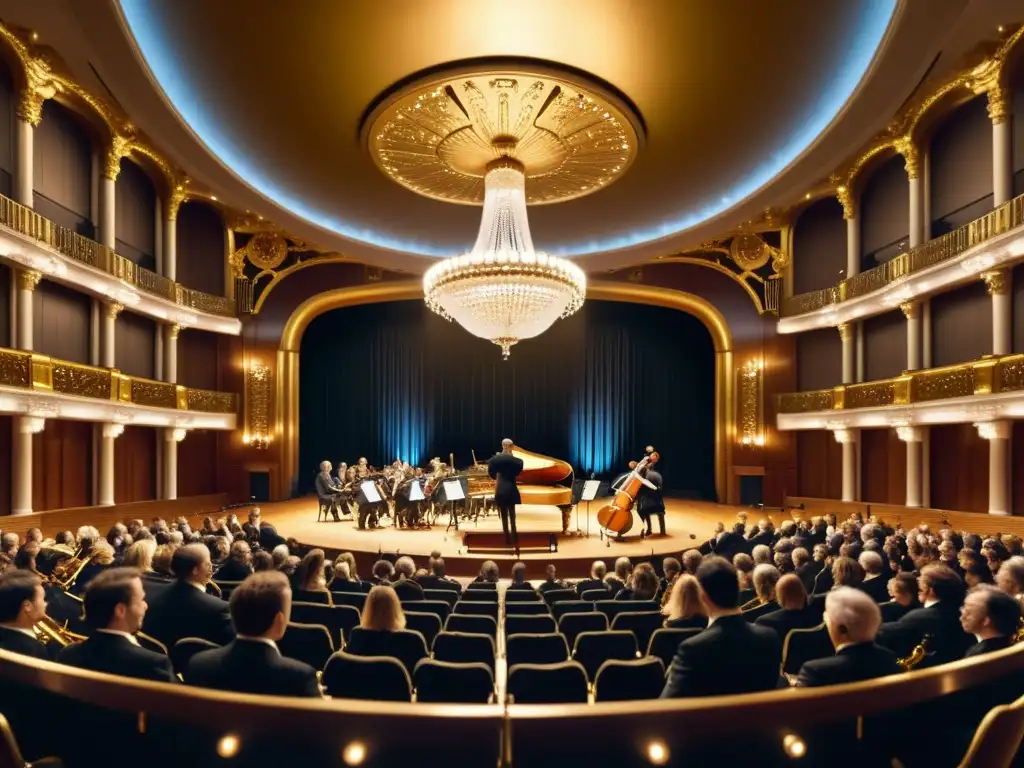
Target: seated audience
x,y
551,580
162,556
1010,577
488,573
793,612
598,570
644,584
852,618
262,561
383,573
731,655
101,557
405,587
22,606
745,573
309,575
903,592
977,572
184,609
846,572
691,560
683,608
260,608
761,555
382,618
992,616
874,583
115,605
9,543
617,581
238,565
519,578
670,568
280,554
436,576
805,567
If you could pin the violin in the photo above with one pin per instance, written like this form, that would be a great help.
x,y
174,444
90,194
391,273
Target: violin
x,y
617,517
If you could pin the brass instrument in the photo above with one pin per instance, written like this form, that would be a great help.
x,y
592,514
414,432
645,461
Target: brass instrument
x,y
752,603
48,631
907,663
67,571
1018,636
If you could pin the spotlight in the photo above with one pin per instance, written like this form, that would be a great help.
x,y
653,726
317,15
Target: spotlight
x,y
354,753
657,752
228,745
794,746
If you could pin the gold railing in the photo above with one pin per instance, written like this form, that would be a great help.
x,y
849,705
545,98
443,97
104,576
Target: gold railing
x,y
27,223
27,370
981,377
996,222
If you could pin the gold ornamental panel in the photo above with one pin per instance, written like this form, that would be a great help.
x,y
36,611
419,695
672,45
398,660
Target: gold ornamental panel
x,y
209,401
266,250
750,252
158,394
437,136
15,368
805,402
81,380
942,383
1010,375
869,395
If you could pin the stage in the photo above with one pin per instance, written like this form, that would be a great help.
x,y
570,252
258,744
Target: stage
x,y
689,523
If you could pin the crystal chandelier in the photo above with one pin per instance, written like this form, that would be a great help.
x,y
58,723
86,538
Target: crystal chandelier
x,y
503,290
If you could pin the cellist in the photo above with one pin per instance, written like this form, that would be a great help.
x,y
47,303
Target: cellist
x,y
650,502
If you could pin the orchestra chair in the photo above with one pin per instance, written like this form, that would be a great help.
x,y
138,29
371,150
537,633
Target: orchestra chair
x,y
553,596
405,645
571,624
354,599
629,679
183,651
446,682
482,585
665,642
474,608
472,624
325,509
753,614
444,595
891,611
151,644
378,678
439,608
480,595
308,643
998,738
592,649
803,645
464,648
339,619
536,649
642,624
564,683
10,752
227,587
427,624
312,596
593,595
521,596
529,625
558,610
355,587
526,609
613,608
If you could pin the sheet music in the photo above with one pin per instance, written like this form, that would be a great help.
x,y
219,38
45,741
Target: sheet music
x,y
453,490
369,489
590,490
416,491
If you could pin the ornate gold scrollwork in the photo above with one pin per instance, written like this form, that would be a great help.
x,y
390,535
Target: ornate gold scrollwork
x,y
267,250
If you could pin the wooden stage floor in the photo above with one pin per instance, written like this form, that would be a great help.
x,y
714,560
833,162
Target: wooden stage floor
x,y
689,523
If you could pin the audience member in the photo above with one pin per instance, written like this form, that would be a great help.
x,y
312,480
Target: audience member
x,y
691,560
551,580
874,583
309,576
941,592
383,572
1010,577
22,606
793,612
405,587
992,616
598,570
262,561
683,609
519,578
903,591
238,565
846,572
488,573
618,581
670,568
184,609
644,584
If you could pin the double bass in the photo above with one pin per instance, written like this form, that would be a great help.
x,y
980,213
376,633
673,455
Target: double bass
x,y
617,517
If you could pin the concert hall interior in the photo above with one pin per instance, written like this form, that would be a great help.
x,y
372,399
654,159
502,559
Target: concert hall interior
x,y
582,380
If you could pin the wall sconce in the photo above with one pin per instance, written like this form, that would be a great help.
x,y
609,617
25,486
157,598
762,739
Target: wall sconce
x,y
259,441
257,406
750,392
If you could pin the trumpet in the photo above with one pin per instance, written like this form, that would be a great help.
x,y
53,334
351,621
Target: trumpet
x,y
48,632
66,572
907,663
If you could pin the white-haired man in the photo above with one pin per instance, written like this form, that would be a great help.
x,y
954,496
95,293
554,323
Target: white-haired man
x,y
852,619
504,468
327,491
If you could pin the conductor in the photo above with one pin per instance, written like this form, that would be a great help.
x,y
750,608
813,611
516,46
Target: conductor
x,y
504,468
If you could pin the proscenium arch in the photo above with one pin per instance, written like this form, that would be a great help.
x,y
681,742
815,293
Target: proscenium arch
x,y
287,385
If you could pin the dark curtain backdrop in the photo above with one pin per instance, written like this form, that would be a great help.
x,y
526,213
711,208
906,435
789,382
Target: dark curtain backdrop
x,y
393,380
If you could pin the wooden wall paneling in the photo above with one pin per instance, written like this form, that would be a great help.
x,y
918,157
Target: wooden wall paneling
x,y
62,465
53,521
135,465
819,359
961,325
779,454
61,322
6,425
197,359
62,168
1017,296
885,212
960,157
885,345
135,345
6,275
883,467
197,463
959,468
135,212
819,464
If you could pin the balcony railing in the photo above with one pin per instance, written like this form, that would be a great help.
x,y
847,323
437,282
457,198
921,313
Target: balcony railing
x,y
27,370
996,222
27,223
987,376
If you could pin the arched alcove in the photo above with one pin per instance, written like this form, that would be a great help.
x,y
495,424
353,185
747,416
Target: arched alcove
x,y
200,251
135,215
62,165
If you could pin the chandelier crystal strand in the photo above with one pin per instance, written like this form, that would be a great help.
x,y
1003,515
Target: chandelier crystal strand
x,y
503,290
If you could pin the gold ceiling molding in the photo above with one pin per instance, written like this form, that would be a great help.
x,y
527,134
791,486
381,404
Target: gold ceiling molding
x,y
439,136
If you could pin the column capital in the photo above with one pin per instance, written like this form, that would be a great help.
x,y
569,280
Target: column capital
x,y
175,434
910,309
998,104
120,146
28,279
113,430
906,147
847,199
994,430
845,331
39,86
909,434
31,425
173,330
844,435
175,198
114,309
996,281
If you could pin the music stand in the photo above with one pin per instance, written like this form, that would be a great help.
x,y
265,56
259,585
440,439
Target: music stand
x,y
369,496
448,492
590,490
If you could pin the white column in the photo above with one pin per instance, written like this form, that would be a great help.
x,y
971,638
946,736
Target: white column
x,y
998,283
926,333
170,461
21,463
27,281
1002,144
171,353
851,212
229,269
912,311
24,135
916,212
846,336
110,433
109,324
108,222
998,435
847,438
912,437
171,247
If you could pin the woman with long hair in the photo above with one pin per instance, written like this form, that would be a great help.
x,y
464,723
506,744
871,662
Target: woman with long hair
x,y
382,611
309,576
643,584
683,609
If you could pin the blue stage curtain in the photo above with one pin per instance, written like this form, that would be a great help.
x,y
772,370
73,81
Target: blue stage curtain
x,y
393,380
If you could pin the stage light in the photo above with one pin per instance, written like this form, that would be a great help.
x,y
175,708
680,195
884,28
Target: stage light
x,y
354,753
228,745
794,746
657,752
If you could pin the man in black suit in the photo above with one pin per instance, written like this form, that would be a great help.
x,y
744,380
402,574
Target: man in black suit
x,y
22,605
650,502
115,605
504,468
990,615
238,566
875,584
598,570
184,609
436,578
942,593
252,663
852,619
794,613
731,655
404,586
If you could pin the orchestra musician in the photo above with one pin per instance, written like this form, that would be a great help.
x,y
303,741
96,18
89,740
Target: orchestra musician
x,y
650,502
504,468
327,491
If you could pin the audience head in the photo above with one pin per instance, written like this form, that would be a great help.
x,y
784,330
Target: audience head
x,y
851,616
383,571
162,557
645,582
114,599
438,567
262,561
550,572
719,587
872,564
261,605
192,563
598,570
744,564
519,573
801,557
241,552
405,567
383,611
140,555
309,576
903,588
348,557
684,598
766,577
671,568
791,593
978,573
22,599
623,566
989,612
1010,576
489,571
846,572
940,583
762,554
280,554
691,560
36,535
25,558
